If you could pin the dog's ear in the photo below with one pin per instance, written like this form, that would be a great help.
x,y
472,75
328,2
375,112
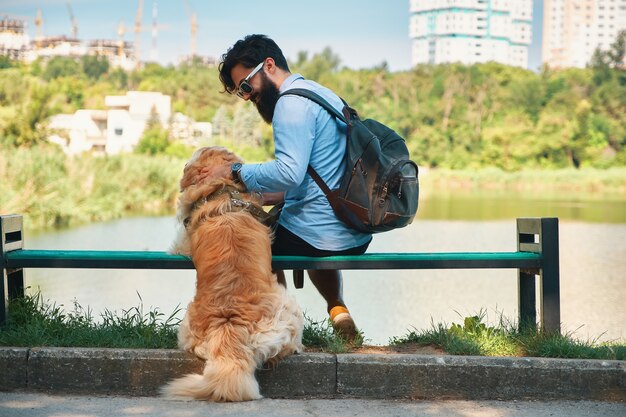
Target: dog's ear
x,y
189,175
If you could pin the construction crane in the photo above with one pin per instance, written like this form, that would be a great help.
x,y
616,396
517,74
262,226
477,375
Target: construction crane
x,y
194,27
73,20
121,30
138,33
38,24
154,52
139,30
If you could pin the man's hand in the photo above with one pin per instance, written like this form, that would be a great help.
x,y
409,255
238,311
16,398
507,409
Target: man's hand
x,y
270,199
212,173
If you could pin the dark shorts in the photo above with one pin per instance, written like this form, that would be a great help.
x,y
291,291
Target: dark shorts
x,y
288,244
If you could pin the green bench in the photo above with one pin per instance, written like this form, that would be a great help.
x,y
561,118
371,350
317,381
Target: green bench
x,y
537,255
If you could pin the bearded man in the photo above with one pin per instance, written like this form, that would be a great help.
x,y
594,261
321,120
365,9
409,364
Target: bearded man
x,y
255,69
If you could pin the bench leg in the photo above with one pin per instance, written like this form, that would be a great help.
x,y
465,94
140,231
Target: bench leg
x,y
12,285
527,303
550,288
540,235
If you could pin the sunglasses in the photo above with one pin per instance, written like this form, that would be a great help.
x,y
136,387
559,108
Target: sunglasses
x,y
244,85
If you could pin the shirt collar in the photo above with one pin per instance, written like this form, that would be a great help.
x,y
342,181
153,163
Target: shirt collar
x,y
288,81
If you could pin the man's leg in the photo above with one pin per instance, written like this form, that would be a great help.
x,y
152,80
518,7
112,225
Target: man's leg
x,y
329,284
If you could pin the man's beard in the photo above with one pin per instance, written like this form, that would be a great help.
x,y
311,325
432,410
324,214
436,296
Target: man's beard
x,y
265,100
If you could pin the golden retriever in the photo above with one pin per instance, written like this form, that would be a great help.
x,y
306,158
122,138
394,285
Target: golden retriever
x,y
240,316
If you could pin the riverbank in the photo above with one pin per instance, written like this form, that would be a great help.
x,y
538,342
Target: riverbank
x,y
54,191
590,183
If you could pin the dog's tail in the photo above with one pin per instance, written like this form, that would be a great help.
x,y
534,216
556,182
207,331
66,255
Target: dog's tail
x,y
221,381
228,376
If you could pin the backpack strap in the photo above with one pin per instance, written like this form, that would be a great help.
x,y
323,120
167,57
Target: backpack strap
x,y
316,98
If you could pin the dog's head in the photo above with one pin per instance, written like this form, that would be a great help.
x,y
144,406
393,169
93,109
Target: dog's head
x,y
202,175
203,163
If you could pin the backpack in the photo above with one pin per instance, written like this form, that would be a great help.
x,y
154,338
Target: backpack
x,y
379,190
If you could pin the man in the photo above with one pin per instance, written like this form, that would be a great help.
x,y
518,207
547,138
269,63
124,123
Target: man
x,y
255,69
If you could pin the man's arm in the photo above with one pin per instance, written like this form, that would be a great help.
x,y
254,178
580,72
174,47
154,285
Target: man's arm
x,y
294,127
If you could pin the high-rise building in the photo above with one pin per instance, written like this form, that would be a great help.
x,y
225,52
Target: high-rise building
x,y
573,29
471,31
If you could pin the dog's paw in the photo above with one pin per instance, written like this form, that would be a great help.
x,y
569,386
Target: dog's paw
x,y
271,363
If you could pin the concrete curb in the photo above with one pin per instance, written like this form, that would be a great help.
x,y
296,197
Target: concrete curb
x,y
139,372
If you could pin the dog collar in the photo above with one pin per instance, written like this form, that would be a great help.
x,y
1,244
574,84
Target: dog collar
x,y
236,202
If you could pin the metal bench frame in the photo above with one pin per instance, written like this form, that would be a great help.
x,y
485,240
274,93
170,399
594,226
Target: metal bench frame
x,y
537,255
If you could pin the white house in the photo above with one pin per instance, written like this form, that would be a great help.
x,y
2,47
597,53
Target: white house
x,y
82,131
128,116
120,127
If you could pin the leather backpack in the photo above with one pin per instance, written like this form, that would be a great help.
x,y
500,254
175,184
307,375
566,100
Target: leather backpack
x,y
379,190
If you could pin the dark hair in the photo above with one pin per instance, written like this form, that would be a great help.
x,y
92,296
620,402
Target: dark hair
x,y
249,51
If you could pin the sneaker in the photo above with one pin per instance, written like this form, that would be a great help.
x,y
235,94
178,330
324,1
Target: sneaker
x,y
343,324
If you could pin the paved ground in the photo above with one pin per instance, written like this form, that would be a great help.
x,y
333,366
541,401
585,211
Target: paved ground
x,y
41,405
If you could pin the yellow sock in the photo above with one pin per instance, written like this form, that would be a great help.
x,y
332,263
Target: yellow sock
x,y
337,311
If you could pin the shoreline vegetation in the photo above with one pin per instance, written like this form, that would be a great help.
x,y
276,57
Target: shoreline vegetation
x,y
53,190
474,127
34,322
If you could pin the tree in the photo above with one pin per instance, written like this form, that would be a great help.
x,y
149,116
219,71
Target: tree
x,y
580,138
5,62
246,126
529,94
602,62
60,67
94,66
617,52
28,127
321,64
119,79
155,139
222,123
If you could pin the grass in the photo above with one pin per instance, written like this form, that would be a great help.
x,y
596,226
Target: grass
x,y
35,322
474,337
588,183
320,335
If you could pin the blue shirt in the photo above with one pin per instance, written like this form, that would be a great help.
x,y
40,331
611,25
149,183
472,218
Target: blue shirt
x,y
305,133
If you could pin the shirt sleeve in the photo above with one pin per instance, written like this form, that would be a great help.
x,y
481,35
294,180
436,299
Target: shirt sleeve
x,y
294,131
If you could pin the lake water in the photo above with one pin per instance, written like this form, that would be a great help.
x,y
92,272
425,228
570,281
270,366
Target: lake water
x,y
388,303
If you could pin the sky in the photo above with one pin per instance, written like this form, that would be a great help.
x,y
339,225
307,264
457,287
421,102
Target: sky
x,y
363,33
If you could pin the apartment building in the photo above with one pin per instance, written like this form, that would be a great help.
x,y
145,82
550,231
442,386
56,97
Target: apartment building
x,y
14,41
471,31
573,29
16,44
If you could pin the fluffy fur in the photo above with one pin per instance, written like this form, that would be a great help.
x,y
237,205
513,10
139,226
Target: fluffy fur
x,y
240,317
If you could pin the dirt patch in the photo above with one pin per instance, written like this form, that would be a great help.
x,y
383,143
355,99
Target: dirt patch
x,y
408,348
